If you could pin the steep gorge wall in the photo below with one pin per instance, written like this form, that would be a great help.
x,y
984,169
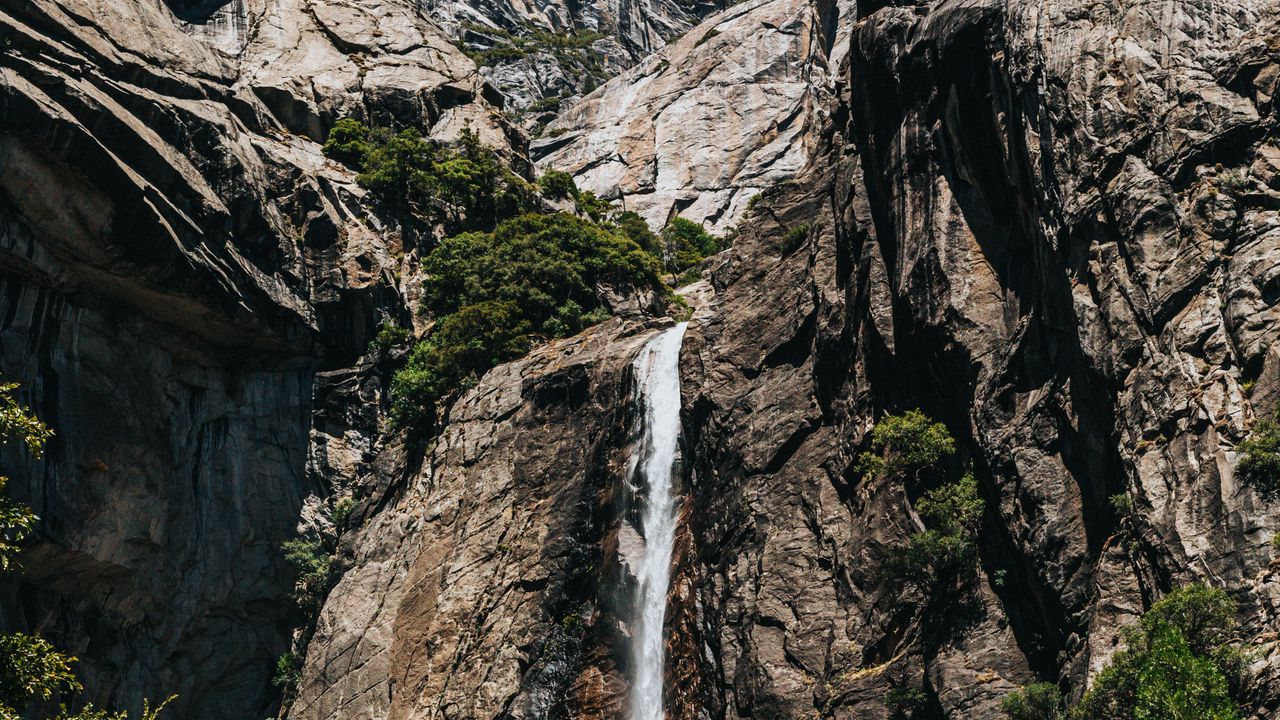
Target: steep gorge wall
x,y
1030,227
1050,225
183,273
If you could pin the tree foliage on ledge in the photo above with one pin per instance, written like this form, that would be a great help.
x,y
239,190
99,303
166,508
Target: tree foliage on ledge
x,y
1177,664
945,554
905,442
495,294
685,244
942,557
1040,701
466,186
1259,457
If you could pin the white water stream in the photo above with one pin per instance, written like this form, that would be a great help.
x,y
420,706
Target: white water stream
x,y
652,463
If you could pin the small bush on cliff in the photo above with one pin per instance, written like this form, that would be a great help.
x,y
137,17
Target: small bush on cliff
x,y
795,237
311,563
288,675
1041,701
946,553
495,294
1259,456
685,244
389,336
905,442
904,701
558,185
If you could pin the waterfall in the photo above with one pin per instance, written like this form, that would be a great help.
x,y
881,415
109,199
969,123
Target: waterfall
x,y
658,394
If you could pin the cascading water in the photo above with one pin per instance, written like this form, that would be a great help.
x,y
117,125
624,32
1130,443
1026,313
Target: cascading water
x,y
652,464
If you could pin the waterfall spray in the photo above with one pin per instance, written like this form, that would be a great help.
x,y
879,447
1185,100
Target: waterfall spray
x,y
652,464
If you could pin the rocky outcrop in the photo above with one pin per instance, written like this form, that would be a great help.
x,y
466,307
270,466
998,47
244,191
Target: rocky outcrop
x,y
486,582
711,120
1044,224
308,64
183,272
537,55
1050,225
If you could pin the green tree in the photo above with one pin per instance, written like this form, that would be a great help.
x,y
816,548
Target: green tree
x,y
466,344
311,564
936,559
685,244
1041,701
465,186
493,295
637,231
400,169
1177,664
1259,456
902,701
348,142
905,442
558,185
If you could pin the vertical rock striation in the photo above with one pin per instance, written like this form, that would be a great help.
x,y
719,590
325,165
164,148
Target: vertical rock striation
x,y
183,272
1051,225
709,121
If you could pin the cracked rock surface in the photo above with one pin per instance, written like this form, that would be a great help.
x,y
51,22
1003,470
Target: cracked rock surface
x,y
1051,224
709,121
185,278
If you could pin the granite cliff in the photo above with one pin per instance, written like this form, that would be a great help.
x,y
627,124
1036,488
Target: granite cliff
x,y
1050,225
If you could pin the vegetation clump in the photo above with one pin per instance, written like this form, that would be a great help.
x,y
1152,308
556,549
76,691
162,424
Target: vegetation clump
x,y
466,186
508,276
1259,456
495,294
558,185
685,244
795,237
946,553
1177,662
389,336
902,701
905,442
287,676
1040,701
310,561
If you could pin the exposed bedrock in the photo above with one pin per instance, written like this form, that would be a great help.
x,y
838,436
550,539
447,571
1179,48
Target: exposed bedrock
x,y
711,120
185,279
1051,225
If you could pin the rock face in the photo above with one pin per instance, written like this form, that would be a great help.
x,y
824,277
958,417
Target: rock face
x,y
483,585
311,63
183,273
708,122
539,53
1051,225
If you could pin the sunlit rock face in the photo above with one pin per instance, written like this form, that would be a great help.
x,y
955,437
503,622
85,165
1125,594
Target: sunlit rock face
x,y
539,53
711,120
1050,224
